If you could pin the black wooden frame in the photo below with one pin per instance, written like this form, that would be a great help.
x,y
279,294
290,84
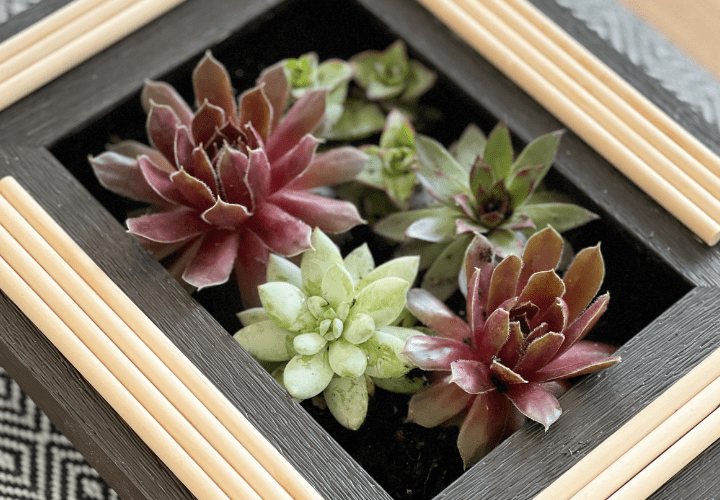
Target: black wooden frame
x,y
521,466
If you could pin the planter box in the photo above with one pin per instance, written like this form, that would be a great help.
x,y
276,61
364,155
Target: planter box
x,y
664,283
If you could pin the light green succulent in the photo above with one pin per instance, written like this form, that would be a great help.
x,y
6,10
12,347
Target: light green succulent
x,y
330,323
391,74
307,74
390,167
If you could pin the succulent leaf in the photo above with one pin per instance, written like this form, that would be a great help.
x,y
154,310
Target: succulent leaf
x,y
436,404
283,301
405,268
307,376
346,359
359,262
383,300
498,152
469,147
281,269
316,261
384,356
266,340
347,399
337,285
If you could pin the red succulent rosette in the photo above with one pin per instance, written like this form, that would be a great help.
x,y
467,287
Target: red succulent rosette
x,y
230,182
521,342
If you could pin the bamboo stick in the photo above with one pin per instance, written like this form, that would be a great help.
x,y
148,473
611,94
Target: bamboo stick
x,y
37,44
655,147
238,425
81,48
663,191
619,86
638,427
46,26
658,441
118,364
647,481
116,394
141,356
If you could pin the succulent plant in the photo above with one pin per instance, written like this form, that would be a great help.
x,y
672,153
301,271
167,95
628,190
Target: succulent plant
x,y
306,74
480,188
522,340
390,164
230,182
330,322
390,74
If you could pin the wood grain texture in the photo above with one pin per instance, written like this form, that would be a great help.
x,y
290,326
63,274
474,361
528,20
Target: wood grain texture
x,y
669,346
76,408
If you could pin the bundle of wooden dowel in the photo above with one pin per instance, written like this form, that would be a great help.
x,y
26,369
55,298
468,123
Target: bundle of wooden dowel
x,y
67,37
658,155
182,416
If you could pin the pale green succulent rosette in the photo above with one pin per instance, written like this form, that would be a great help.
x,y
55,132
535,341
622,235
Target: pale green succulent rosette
x,y
329,321
391,164
480,188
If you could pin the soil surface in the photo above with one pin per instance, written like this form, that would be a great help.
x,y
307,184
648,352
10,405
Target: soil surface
x,y
409,461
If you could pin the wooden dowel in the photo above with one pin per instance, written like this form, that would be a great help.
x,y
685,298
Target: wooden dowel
x,y
673,156
141,356
115,393
619,86
81,48
210,396
652,477
653,445
61,34
109,355
599,138
637,428
47,25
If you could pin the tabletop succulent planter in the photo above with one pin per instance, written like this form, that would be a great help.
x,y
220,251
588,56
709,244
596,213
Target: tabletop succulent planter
x,y
642,285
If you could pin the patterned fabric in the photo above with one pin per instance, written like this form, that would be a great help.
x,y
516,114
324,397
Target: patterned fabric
x,y
9,8
36,461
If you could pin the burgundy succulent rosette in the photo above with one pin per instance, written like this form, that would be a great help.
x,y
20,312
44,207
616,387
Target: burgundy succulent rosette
x,y
521,342
231,181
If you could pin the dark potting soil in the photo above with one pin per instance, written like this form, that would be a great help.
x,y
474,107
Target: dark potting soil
x,y
409,461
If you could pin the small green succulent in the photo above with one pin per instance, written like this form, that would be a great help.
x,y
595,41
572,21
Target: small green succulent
x,y
390,74
480,188
306,74
391,164
330,323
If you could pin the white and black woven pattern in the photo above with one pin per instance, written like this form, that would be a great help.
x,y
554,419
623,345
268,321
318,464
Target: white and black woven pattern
x,y
36,461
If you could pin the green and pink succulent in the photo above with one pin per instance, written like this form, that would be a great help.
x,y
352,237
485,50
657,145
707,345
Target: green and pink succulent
x,y
480,188
522,340
230,182
330,323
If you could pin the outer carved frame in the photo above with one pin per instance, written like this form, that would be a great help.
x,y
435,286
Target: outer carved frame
x,y
520,467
